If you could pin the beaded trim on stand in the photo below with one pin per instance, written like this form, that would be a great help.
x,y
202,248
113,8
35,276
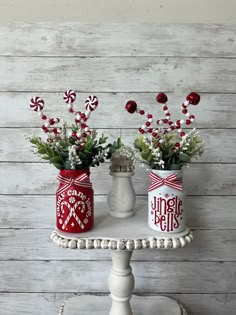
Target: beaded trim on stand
x,y
122,244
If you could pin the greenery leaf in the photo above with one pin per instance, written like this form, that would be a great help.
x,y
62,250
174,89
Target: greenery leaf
x,y
175,167
184,157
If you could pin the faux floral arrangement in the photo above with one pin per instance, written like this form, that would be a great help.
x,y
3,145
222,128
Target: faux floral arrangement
x,y
71,148
167,148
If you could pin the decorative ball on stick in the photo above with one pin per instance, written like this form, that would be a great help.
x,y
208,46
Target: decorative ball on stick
x,y
69,96
81,118
161,98
192,99
131,107
37,104
91,103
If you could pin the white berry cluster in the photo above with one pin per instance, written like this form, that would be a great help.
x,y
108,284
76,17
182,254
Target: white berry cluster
x,y
73,157
156,152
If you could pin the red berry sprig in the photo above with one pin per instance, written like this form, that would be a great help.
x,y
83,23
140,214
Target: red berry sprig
x,y
192,99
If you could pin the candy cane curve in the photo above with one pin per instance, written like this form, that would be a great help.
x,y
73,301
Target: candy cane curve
x,y
72,213
37,104
81,118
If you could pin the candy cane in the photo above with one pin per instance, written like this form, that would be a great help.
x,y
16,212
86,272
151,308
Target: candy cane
x,y
132,107
192,99
37,105
81,118
72,213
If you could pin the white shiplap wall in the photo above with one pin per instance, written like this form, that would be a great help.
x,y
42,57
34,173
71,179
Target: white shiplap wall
x,y
116,62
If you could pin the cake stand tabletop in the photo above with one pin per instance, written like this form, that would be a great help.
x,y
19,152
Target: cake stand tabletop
x,y
122,234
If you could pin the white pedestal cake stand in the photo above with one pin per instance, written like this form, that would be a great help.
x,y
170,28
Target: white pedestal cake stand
x,y
121,237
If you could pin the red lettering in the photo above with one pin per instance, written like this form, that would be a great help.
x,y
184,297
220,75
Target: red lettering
x,y
176,224
154,203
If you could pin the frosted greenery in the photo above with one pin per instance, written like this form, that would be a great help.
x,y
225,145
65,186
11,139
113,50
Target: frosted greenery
x,y
166,155
65,152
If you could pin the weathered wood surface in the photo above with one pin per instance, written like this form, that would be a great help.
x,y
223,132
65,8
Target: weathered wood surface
x,y
214,110
35,244
17,148
85,276
140,61
22,211
48,39
49,303
118,74
40,178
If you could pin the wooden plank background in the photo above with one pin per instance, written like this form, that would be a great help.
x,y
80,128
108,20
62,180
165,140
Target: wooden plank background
x,y
117,62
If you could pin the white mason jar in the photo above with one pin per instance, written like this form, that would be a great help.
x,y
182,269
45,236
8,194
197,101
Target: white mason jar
x,y
121,197
165,203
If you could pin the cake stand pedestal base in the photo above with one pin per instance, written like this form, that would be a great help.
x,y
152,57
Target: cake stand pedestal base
x,y
141,305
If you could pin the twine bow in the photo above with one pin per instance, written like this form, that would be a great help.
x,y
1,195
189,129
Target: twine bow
x,y
81,180
171,181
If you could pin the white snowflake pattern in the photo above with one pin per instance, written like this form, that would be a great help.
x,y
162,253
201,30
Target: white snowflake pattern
x,y
72,200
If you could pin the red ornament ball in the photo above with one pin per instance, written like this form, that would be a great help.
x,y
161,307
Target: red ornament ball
x,y
188,122
141,130
161,98
193,98
131,107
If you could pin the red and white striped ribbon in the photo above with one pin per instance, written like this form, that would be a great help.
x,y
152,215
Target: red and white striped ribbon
x,y
171,181
81,180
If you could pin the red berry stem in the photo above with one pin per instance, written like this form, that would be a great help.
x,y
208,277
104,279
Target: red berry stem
x,y
192,99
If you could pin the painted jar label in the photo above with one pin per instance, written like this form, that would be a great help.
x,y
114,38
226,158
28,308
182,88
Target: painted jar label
x,y
166,207
74,204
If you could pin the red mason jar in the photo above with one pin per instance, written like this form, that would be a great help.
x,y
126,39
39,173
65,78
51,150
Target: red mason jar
x,y
74,201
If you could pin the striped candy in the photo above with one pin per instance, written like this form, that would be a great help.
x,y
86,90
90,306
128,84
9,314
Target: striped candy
x,y
36,103
91,103
69,96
